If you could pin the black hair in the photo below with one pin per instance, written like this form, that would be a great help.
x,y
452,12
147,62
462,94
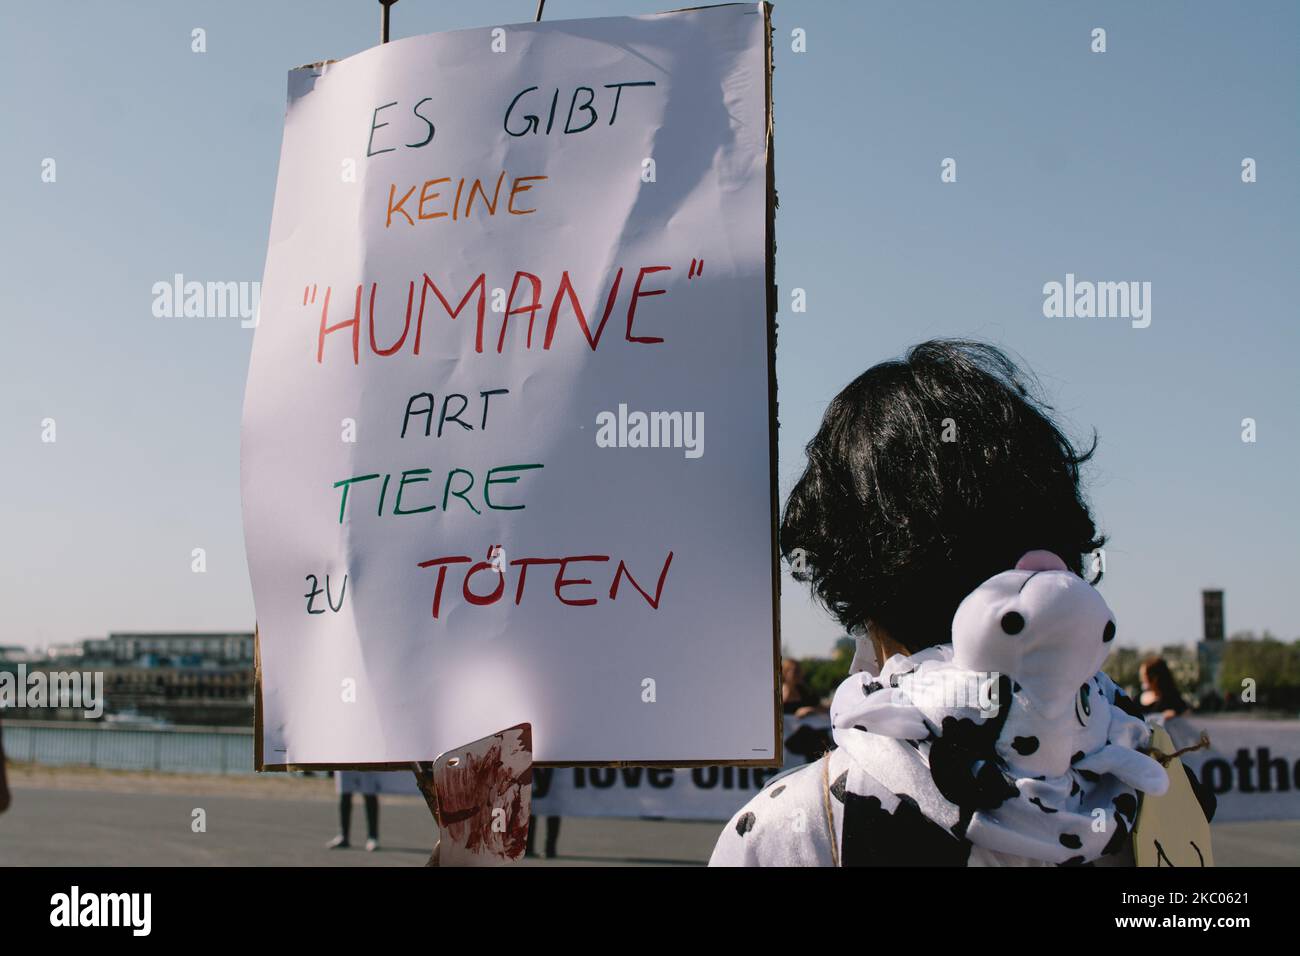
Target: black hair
x,y
1162,681
928,476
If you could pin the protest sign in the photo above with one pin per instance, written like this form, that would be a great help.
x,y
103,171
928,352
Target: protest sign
x,y
693,793
508,441
684,793
1251,766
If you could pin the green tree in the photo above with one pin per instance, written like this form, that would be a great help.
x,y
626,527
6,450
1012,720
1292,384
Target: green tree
x,y
1122,666
823,674
1265,663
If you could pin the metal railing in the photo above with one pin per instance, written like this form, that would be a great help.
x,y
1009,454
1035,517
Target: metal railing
x,y
110,746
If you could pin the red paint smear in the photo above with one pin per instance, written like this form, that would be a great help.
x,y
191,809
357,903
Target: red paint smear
x,y
470,794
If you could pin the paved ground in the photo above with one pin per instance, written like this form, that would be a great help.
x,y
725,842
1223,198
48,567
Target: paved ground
x,y
96,818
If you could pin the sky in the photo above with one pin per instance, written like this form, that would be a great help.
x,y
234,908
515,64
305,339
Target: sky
x,y
1122,165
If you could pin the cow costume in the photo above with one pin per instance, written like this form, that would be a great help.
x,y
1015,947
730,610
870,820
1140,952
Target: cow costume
x,y
1006,747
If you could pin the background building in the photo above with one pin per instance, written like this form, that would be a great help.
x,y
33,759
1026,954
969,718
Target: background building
x,y
176,677
1210,649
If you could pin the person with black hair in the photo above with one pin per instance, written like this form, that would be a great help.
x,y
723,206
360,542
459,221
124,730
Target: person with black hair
x,y
797,698
4,783
930,478
1160,693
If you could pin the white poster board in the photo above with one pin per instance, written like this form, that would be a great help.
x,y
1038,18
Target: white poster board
x,y
508,439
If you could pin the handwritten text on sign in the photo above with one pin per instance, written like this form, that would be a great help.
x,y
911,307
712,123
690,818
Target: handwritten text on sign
x,y
512,276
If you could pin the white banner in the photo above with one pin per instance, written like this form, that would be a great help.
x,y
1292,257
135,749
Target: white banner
x,y
698,793
1253,766
507,440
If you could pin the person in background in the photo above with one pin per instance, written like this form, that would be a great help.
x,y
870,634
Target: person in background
x,y
1159,689
552,837
4,783
929,476
797,698
346,782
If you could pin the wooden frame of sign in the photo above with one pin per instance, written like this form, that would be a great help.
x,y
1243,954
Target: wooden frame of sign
x,y
777,727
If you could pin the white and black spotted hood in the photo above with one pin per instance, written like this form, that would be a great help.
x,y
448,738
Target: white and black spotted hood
x,y
1010,738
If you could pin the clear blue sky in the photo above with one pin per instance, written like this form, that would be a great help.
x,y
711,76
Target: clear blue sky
x,y
1116,166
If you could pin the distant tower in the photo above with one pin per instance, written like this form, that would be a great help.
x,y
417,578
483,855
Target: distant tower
x,y
1209,651
1212,608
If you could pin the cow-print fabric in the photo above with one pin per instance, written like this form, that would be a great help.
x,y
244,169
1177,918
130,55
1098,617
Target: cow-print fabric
x,y
979,752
